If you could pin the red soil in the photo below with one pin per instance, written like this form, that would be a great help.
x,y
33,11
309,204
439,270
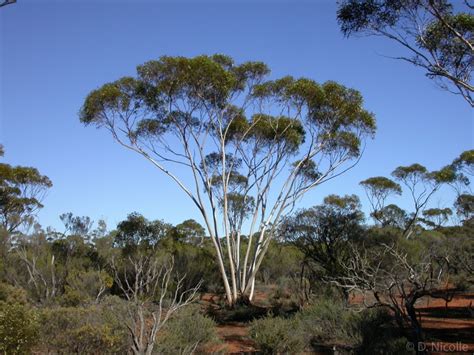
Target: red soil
x,y
235,338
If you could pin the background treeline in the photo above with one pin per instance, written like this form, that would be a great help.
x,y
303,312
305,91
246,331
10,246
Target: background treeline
x,y
332,277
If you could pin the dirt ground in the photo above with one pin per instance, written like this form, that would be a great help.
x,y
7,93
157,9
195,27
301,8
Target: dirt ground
x,y
448,327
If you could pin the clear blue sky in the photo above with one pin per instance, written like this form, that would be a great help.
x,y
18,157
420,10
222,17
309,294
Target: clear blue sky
x,y
54,52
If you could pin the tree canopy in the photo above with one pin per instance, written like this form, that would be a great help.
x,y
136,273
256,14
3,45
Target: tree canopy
x,y
252,146
438,36
21,191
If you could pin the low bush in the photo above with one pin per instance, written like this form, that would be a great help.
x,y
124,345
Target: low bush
x,y
84,330
18,328
329,321
278,335
188,330
12,294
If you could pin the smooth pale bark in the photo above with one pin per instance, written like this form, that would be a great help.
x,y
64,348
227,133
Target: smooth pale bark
x,y
268,151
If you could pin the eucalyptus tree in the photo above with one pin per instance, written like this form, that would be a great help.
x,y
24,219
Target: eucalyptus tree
x,y
464,205
22,190
189,231
437,36
394,216
137,232
323,233
378,189
422,185
437,217
465,162
243,148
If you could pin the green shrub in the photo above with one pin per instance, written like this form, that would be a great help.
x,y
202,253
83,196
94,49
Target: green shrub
x,y
330,322
187,330
84,330
12,294
278,335
92,339
285,297
18,328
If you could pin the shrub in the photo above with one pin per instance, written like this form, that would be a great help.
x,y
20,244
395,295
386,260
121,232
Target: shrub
x,y
186,331
18,328
12,294
285,297
84,330
330,322
278,335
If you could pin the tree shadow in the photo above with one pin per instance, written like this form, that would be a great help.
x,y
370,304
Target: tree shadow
x,y
447,313
462,335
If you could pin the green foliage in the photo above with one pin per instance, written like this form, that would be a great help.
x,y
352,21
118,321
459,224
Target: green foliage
x,y
323,233
18,328
11,294
21,191
284,261
85,286
187,331
459,245
343,204
113,96
392,216
465,162
436,217
379,188
88,330
196,262
414,171
189,230
464,205
452,52
328,321
136,231
278,335
437,38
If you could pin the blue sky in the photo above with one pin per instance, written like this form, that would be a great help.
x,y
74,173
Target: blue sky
x,y
52,53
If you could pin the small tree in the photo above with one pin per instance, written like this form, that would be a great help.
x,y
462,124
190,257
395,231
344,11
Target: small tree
x,y
41,275
394,216
146,284
422,185
378,189
437,217
388,277
189,230
251,147
137,232
437,38
324,233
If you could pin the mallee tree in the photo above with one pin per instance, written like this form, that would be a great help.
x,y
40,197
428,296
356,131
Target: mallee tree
x,y
243,148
